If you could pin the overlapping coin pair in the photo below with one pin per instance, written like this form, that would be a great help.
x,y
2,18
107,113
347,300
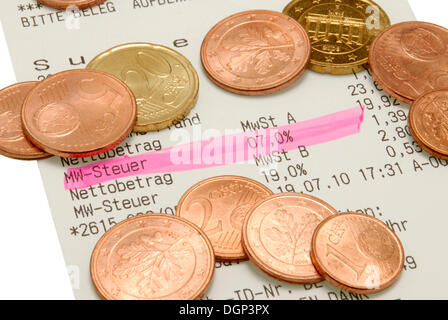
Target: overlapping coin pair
x,y
292,237
410,62
260,52
80,113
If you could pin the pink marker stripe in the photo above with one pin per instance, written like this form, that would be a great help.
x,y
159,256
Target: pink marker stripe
x,y
220,151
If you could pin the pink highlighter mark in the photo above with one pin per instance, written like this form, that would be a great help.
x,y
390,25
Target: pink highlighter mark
x,y
220,151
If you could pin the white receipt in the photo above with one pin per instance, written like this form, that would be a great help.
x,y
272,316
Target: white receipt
x,y
379,171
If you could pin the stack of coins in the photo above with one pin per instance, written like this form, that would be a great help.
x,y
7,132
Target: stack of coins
x,y
80,113
262,52
292,237
341,32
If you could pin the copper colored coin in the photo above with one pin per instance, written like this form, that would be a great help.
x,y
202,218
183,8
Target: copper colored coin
x,y
13,142
392,93
277,235
64,4
410,58
357,253
425,147
428,118
79,113
256,52
219,206
152,257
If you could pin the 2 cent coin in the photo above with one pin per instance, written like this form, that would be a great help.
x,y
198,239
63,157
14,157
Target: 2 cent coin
x,y
153,257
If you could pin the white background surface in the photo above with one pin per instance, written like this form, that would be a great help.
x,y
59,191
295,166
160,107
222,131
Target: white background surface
x,y
31,262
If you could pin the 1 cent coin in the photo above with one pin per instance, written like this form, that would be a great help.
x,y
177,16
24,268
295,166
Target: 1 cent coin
x,y
13,142
277,235
341,32
79,113
256,52
64,4
410,58
152,257
357,253
219,206
164,82
428,120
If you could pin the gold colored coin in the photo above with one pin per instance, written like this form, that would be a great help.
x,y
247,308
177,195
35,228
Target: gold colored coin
x,y
340,31
164,82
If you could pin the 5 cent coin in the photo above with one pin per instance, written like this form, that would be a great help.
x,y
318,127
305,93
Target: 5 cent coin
x,y
277,235
79,113
256,52
357,253
152,257
219,206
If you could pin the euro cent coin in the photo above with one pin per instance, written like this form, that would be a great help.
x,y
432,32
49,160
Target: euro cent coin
x,y
13,142
409,59
256,52
219,206
152,257
357,253
164,82
79,113
277,236
428,119
341,32
64,4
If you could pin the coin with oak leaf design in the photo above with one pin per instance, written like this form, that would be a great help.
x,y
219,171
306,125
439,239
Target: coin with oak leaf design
x,y
156,257
277,235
